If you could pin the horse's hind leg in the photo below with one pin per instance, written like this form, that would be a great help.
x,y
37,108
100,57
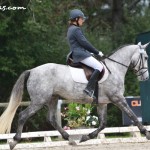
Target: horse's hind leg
x,y
23,116
102,115
122,104
52,119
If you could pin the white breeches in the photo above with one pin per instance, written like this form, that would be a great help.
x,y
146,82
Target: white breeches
x,y
93,63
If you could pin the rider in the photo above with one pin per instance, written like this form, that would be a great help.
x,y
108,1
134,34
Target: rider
x,y
81,49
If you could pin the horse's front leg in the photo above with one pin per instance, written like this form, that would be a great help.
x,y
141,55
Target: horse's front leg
x,y
102,115
120,101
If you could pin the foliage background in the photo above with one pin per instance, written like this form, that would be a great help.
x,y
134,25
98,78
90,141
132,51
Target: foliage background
x,y
37,35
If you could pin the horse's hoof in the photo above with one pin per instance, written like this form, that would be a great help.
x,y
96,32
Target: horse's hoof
x,y
12,144
148,135
84,138
72,142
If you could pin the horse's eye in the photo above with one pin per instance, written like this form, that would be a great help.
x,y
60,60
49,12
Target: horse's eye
x,y
146,58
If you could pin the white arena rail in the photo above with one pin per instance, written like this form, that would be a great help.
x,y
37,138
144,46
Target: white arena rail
x,y
76,135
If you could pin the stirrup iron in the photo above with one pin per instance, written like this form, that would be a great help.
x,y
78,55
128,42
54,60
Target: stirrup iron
x,y
90,93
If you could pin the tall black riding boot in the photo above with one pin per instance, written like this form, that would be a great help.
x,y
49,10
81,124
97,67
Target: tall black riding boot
x,y
89,90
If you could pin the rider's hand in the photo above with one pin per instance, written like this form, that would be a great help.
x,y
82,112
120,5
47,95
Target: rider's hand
x,y
101,54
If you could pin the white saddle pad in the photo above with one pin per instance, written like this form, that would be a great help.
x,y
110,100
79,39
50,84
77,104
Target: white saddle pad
x,y
78,75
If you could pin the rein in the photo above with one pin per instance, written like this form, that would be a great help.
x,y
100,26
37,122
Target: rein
x,y
136,71
116,62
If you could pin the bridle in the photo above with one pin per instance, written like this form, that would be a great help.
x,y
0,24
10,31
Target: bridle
x,y
139,61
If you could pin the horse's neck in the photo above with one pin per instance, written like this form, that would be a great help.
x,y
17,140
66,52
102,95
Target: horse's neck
x,y
123,56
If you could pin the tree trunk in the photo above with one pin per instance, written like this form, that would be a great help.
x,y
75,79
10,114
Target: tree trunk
x,y
117,21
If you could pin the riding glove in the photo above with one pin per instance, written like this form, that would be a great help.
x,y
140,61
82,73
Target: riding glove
x,y
101,54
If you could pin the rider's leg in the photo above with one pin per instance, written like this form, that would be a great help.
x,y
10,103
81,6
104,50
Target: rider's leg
x,y
95,64
90,88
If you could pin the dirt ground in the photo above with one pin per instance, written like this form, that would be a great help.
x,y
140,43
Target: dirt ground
x,y
114,146
94,144
118,146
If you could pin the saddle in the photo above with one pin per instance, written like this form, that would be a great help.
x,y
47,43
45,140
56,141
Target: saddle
x,y
87,70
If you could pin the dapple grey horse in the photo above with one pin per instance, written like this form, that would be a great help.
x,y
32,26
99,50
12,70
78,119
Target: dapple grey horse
x,y
48,82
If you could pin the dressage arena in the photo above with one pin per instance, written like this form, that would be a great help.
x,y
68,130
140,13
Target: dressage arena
x,y
134,142
129,145
118,146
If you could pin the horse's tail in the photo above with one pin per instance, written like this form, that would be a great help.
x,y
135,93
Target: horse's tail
x,y
15,99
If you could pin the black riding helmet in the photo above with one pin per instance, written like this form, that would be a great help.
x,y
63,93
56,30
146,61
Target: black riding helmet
x,y
76,13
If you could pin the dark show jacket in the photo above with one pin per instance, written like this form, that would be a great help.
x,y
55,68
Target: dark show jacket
x,y
81,48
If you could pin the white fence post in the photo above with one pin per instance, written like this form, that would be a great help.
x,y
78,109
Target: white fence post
x,y
59,112
47,139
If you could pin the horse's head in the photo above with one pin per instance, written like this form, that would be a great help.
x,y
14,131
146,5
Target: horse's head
x,y
140,62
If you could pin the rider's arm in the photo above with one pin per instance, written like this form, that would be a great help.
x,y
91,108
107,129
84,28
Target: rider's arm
x,y
84,42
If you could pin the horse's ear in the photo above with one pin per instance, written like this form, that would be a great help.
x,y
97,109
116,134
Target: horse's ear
x,y
139,43
145,46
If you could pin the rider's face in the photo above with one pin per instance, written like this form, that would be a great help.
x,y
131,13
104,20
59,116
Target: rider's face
x,y
81,21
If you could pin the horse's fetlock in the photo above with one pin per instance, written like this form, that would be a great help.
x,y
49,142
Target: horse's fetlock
x,y
143,131
65,135
17,138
